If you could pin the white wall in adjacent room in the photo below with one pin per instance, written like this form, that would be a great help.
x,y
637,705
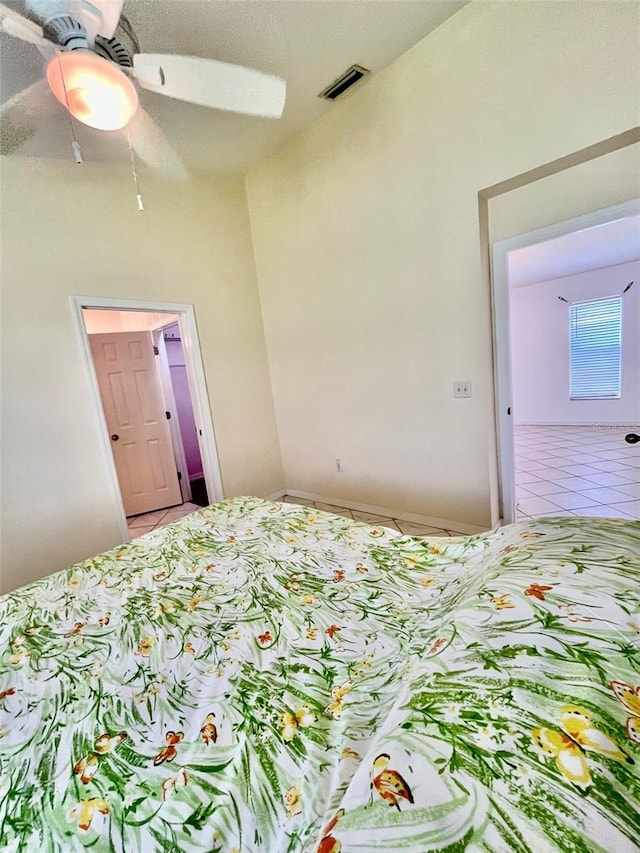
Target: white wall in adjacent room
x,y
539,331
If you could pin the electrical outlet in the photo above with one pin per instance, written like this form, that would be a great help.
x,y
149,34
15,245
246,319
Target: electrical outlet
x,y
462,388
339,467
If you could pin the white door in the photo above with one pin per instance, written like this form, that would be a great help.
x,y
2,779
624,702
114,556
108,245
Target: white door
x,y
134,410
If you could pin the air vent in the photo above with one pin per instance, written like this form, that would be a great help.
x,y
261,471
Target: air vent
x,y
350,77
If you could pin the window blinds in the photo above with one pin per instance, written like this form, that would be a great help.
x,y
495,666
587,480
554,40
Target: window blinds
x,y
595,334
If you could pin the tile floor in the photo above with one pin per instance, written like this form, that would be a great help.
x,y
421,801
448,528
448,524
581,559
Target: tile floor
x,y
407,527
577,471
141,524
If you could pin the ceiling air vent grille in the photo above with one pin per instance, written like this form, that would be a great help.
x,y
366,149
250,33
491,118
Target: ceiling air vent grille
x,y
345,81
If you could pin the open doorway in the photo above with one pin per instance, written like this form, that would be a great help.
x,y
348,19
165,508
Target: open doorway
x,y
567,308
168,341
149,388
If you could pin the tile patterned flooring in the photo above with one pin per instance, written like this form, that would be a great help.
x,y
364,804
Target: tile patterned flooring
x,y
141,524
560,470
407,527
576,471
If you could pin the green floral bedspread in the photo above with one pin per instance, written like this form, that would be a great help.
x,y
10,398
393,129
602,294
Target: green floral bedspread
x,y
264,677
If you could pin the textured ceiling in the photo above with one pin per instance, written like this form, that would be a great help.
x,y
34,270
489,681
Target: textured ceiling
x,y
594,248
307,42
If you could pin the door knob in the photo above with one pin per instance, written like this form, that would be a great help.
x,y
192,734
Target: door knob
x,y
632,438
115,437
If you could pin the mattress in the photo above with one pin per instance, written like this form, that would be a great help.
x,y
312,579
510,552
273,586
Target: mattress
x,y
262,677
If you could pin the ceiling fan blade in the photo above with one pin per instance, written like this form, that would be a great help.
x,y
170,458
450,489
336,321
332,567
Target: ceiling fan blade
x,y
18,26
153,148
211,83
16,125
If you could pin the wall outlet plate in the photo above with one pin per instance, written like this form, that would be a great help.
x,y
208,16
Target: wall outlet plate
x,y
462,388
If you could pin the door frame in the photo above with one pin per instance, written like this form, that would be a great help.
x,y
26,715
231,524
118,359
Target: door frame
x,y
499,271
195,377
174,423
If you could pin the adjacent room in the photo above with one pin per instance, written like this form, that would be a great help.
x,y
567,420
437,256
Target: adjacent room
x,y
575,366
320,480
148,414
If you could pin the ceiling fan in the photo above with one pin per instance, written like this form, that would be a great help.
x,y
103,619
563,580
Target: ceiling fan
x,y
93,74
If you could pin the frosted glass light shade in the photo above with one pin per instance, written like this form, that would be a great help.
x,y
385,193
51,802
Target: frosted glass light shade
x,y
97,92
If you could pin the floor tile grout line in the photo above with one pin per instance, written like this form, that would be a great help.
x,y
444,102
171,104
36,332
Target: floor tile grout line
x,y
162,521
559,450
397,522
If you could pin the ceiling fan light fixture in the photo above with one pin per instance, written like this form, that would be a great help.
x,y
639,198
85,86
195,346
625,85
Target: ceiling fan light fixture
x,y
95,91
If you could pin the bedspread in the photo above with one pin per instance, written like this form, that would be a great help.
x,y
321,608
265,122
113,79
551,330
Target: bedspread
x,y
261,677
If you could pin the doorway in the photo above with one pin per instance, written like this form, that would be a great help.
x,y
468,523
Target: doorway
x,y
567,343
154,416
172,361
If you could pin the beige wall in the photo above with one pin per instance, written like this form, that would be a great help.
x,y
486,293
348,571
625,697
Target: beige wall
x,y
368,253
365,232
69,230
603,182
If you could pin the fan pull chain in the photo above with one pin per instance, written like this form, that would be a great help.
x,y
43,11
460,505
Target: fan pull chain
x,y
135,174
75,145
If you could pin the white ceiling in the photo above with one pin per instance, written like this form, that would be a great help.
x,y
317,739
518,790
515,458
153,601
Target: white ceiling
x,y
307,42
594,248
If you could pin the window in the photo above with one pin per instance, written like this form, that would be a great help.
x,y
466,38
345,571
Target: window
x,y
595,334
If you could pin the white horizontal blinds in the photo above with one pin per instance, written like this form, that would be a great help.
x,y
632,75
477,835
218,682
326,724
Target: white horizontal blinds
x,y
595,334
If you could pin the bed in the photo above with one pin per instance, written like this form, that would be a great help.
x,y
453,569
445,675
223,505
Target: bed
x,y
262,677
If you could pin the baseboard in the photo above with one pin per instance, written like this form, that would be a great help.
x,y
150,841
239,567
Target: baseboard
x,y
275,496
388,512
596,426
